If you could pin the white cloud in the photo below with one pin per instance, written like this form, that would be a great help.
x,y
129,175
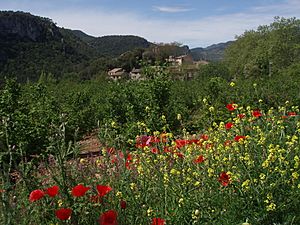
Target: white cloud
x,y
171,9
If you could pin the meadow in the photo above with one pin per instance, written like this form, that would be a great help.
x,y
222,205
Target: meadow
x,y
205,151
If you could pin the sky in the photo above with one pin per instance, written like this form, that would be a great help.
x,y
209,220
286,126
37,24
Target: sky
x,y
196,23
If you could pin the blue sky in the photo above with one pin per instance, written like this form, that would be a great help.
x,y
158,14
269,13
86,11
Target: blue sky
x,y
197,23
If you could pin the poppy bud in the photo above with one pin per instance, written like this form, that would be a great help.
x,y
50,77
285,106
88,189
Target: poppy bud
x,y
123,204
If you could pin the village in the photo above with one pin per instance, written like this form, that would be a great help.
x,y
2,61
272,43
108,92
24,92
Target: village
x,y
181,67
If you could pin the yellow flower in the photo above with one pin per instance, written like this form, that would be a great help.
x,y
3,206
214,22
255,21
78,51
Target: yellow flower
x,y
262,176
119,194
149,211
271,207
197,183
178,116
295,175
132,186
59,202
232,84
246,184
83,161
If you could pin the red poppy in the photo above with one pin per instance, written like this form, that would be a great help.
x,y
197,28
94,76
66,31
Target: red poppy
x,y
241,116
158,221
181,143
103,190
204,137
224,179
239,137
79,190
109,218
199,159
63,213
167,149
111,151
128,161
292,114
209,146
193,141
228,126
227,143
36,195
154,150
256,113
123,204
143,141
231,107
52,191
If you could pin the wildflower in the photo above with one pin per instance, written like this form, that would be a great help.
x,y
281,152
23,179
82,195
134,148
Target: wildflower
x,y
271,207
292,114
231,107
232,84
199,159
239,137
256,113
109,218
178,116
241,116
123,204
158,221
204,137
63,213
295,175
52,191
111,150
155,150
36,195
119,194
128,161
228,126
224,179
79,190
181,143
143,141
103,190
227,143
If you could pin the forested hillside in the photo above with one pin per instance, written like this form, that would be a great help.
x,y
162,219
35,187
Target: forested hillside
x,y
213,53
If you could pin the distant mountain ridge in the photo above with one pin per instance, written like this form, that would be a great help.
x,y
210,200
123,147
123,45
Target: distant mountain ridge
x,y
213,52
115,45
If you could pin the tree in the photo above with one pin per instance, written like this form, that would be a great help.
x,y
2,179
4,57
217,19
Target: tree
x,y
265,51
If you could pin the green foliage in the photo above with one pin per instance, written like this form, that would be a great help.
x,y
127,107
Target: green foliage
x,y
265,51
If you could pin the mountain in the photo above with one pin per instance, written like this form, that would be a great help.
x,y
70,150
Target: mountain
x,y
83,36
213,52
116,45
31,45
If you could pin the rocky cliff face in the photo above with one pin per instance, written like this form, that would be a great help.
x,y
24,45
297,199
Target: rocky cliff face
x,y
26,27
